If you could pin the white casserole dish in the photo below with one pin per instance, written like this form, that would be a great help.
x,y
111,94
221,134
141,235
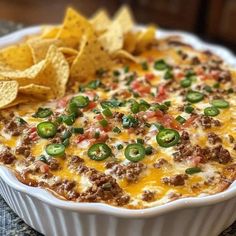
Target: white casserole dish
x,y
198,216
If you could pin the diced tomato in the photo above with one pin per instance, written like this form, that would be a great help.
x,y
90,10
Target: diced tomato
x,y
90,106
179,75
196,160
149,76
189,121
62,103
113,85
99,117
43,167
150,59
140,88
162,95
33,134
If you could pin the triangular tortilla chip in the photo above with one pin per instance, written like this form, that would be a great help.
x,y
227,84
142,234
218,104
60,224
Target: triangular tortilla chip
x,y
73,28
38,91
8,92
145,38
100,20
39,47
56,73
17,57
112,40
91,57
125,18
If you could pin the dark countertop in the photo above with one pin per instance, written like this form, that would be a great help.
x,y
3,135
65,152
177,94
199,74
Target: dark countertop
x,y
10,223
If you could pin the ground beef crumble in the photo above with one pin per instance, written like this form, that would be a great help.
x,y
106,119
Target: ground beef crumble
x,y
6,156
148,196
104,188
176,180
130,172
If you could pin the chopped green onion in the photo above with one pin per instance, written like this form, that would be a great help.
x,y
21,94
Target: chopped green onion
x,y
143,105
116,73
66,142
103,123
129,121
208,89
140,140
148,150
116,130
160,65
66,134
192,170
180,119
216,85
76,130
69,119
96,134
168,75
188,109
126,69
107,112
144,65
134,107
94,84
119,146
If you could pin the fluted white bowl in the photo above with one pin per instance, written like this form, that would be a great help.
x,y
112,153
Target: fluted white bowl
x,y
195,216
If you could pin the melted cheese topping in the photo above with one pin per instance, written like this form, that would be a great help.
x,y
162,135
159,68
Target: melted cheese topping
x,y
125,86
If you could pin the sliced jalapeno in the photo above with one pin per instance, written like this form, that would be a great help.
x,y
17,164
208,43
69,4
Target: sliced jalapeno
x,y
99,152
46,129
194,96
135,152
211,111
167,137
220,103
55,149
42,113
80,101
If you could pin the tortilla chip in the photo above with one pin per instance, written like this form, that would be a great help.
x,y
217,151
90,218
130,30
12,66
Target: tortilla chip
x,y
38,91
145,38
91,57
73,28
113,39
8,92
24,77
50,32
68,51
122,54
17,57
56,73
39,47
130,40
125,18
101,20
